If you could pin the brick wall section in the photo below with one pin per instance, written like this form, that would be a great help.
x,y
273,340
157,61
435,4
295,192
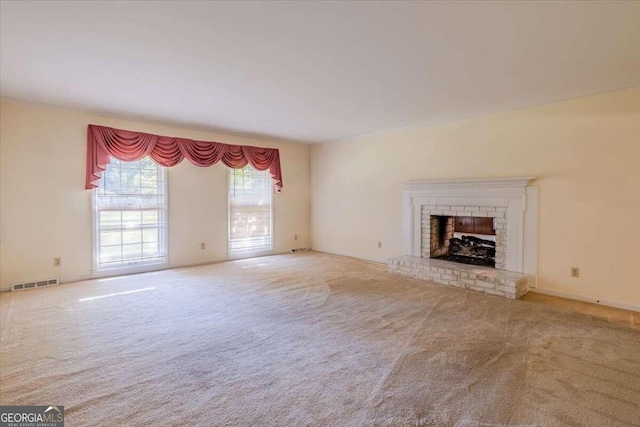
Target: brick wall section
x,y
425,233
499,213
438,249
479,279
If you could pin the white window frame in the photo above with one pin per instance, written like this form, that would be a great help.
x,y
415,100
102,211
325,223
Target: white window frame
x,y
250,252
140,266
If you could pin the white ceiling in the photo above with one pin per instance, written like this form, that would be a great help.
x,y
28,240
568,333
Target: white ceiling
x,y
314,72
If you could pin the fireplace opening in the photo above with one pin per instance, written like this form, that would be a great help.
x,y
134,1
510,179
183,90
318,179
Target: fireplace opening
x,y
464,239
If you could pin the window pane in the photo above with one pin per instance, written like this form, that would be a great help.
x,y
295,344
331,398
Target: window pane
x,y
110,238
131,236
150,235
110,219
150,217
150,250
131,252
110,254
131,219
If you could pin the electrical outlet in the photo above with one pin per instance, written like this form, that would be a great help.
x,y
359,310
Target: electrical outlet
x,y
57,262
203,246
379,244
575,272
295,237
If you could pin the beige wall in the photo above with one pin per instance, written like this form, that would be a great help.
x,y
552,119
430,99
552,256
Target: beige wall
x,y
45,211
586,153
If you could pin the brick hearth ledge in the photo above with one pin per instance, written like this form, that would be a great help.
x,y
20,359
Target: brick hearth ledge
x,y
480,279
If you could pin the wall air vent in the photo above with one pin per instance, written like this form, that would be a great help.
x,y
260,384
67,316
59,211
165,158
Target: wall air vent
x,y
299,250
34,284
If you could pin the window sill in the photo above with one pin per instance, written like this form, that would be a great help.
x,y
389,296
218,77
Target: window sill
x,y
122,270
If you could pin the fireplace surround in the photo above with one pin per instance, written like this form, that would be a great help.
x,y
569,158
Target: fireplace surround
x,y
511,204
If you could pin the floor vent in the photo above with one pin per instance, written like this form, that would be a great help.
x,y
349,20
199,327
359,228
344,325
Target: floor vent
x,y
34,284
299,250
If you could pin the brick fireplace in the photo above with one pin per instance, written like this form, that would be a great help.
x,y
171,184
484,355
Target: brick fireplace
x,y
479,234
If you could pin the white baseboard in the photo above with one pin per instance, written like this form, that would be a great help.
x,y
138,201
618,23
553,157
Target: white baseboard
x,y
608,303
154,268
382,260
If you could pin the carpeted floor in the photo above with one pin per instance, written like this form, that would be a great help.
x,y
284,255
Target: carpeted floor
x,y
312,339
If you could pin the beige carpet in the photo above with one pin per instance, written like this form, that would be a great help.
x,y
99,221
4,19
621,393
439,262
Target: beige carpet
x,y
311,339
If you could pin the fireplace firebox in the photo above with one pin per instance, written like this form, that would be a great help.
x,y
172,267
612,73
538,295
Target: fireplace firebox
x,y
468,240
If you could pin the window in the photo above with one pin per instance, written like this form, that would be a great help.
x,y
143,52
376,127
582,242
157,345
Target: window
x,y
249,210
130,207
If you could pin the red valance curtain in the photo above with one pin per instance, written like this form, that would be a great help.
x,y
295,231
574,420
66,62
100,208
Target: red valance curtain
x,y
103,142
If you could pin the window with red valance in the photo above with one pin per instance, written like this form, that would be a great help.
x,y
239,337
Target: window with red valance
x,y
104,142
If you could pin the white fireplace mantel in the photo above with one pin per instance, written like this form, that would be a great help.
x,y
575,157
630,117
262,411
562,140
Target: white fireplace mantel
x,y
514,194
474,184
